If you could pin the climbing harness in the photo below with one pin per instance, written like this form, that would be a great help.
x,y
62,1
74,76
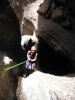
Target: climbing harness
x,y
6,69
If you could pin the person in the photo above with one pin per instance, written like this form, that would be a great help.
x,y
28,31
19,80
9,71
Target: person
x,y
31,59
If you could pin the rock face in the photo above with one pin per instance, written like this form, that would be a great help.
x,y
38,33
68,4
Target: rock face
x,y
54,23
18,7
40,86
30,17
57,27
8,79
10,46
10,36
26,39
53,19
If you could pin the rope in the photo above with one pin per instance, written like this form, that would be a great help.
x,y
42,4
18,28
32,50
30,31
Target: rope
x,y
6,69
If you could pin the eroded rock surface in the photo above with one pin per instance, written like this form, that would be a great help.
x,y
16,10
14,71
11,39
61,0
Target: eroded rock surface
x,y
8,79
40,86
53,21
10,50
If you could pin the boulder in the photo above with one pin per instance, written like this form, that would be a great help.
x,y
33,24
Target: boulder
x,y
41,86
8,79
44,7
25,40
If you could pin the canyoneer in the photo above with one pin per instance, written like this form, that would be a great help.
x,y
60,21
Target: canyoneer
x,y
31,60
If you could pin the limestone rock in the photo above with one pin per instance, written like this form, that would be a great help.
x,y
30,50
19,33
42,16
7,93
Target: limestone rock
x,y
25,39
45,6
56,29
52,32
56,14
40,86
52,29
31,14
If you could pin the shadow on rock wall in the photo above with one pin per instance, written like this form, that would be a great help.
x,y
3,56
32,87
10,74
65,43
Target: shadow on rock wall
x,y
52,61
10,45
10,36
57,44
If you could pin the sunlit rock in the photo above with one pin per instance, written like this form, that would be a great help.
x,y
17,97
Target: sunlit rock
x,y
25,39
40,86
30,13
7,60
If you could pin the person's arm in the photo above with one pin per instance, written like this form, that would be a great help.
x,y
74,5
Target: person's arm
x,y
34,58
28,57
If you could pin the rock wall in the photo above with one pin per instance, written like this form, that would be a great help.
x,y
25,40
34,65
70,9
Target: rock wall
x,y
26,26
53,22
40,86
53,19
10,47
56,27
10,36
8,79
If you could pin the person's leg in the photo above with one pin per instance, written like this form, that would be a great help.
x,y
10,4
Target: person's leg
x,y
32,68
27,68
33,65
27,64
